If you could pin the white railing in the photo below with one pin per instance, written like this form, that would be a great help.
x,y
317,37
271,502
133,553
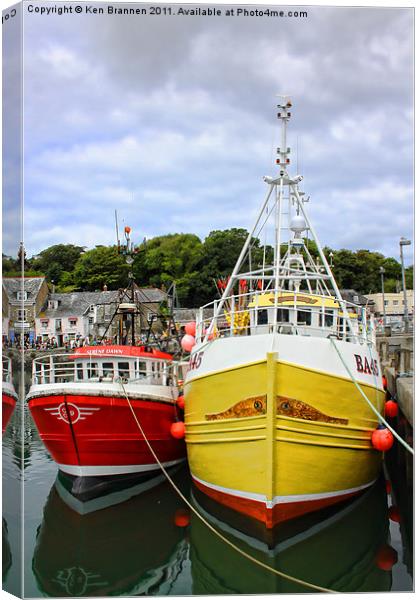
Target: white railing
x,y
6,369
237,318
66,368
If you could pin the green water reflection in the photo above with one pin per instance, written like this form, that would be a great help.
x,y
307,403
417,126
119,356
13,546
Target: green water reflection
x,y
132,541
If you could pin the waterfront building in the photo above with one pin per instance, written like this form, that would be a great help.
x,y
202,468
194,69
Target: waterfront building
x,y
357,298
394,305
26,296
78,317
5,315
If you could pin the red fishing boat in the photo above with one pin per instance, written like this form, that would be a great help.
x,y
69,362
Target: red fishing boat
x,y
8,394
91,407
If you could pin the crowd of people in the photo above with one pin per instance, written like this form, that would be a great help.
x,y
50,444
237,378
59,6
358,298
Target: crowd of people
x,y
28,343
51,343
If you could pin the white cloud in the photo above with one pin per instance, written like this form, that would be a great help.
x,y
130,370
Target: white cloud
x,y
173,123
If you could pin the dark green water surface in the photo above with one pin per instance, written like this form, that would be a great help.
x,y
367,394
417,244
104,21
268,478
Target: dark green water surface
x,y
135,542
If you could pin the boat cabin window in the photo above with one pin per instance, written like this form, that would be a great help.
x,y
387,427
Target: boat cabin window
x,y
283,315
79,370
92,370
108,369
262,317
124,369
142,369
328,318
304,317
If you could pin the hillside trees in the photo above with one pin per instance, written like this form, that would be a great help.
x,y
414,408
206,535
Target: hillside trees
x,y
195,265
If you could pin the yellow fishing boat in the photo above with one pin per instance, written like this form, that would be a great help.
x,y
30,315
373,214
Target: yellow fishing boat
x,y
275,425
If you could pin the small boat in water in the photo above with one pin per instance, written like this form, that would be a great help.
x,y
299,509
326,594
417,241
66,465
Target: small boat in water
x,y
8,393
92,407
275,425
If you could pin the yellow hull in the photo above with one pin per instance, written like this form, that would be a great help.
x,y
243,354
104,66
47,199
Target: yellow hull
x,y
275,440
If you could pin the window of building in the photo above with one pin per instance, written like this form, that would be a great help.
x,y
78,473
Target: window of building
x,y
22,314
72,322
355,299
386,302
22,295
58,324
395,302
44,324
90,320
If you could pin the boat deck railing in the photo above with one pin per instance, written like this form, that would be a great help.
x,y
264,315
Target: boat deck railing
x,y
6,369
65,368
247,314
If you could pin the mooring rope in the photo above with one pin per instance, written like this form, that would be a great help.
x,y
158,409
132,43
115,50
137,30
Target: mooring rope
x,y
377,413
207,524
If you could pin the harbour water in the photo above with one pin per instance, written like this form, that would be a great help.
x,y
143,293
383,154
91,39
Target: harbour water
x,y
149,544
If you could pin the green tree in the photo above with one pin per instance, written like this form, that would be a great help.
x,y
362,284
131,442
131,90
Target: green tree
x,y
100,266
9,266
221,249
55,260
170,258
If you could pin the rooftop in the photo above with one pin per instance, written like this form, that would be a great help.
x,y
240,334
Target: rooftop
x,y
31,285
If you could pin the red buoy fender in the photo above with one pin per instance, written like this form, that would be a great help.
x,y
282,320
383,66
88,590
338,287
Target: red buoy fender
x,y
386,557
384,382
178,430
391,408
180,402
182,517
394,514
382,439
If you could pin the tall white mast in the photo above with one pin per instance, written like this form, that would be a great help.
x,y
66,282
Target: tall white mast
x,y
292,267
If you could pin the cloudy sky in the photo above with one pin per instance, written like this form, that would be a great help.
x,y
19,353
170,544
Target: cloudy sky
x,y
171,121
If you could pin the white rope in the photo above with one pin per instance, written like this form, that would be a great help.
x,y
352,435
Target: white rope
x,y
213,529
377,413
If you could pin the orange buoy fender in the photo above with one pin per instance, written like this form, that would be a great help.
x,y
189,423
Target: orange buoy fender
x,y
386,557
391,408
182,517
394,514
178,430
180,402
382,439
190,328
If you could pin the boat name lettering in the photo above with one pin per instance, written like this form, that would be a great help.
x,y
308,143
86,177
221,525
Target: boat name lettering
x,y
105,351
303,299
364,366
195,360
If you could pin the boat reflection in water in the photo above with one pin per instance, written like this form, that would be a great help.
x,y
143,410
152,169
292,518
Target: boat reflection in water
x,y
117,547
337,548
6,552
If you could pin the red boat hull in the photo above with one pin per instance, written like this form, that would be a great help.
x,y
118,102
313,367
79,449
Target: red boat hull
x,y
271,517
92,436
8,406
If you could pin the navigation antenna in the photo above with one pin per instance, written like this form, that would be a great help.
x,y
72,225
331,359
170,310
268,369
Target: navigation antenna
x,y
116,228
